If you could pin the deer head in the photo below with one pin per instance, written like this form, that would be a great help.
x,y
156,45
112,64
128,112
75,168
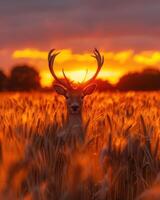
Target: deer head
x,y
74,94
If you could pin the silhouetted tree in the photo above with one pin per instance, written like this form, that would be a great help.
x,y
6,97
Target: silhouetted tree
x,y
3,81
24,78
103,85
149,79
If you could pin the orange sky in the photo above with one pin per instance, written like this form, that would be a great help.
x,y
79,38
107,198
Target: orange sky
x,y
75,64
126,32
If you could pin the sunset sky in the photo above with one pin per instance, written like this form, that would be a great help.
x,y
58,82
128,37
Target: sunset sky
x,y
126,32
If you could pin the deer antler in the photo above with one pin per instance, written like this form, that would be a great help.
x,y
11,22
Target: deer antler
x,y
51,58
67,82
100,61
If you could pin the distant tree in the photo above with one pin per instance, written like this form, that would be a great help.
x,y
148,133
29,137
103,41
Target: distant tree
x,y
103,85
149,79
3,81
24,78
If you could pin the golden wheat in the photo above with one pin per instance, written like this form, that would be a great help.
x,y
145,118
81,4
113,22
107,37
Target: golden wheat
x,y
119,159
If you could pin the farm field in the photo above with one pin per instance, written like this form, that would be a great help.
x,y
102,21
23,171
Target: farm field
x,y
119,160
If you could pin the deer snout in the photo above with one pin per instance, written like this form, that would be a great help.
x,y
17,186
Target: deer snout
x,y
75,107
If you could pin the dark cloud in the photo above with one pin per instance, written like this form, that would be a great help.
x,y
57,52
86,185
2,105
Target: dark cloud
x,y
76,24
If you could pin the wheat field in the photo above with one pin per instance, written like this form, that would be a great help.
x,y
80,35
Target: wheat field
x,y
119,160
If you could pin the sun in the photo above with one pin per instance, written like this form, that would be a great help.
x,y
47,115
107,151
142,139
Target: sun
x,y
75,76
79,76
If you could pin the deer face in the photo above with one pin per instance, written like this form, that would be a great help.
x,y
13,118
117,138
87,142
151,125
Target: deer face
x,y
74,97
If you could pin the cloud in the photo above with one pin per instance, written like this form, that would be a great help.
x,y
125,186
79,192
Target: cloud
x,y
127,32
148,58
120,61
67,55
69,24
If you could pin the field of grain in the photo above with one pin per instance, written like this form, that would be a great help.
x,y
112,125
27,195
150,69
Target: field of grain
x,y
119,160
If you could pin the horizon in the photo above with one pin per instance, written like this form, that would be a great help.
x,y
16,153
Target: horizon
x,y
83,62
50,80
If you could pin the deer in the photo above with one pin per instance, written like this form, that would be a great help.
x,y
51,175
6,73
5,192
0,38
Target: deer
x,y
73,132
74,95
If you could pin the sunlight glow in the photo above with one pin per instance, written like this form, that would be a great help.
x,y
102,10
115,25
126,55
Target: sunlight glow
x,y
148,58
36,54
30,53
46,78
78,76
75,65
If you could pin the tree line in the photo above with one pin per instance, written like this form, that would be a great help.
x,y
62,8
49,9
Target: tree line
x,y
21,78
27,78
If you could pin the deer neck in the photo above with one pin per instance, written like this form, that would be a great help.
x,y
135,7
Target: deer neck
x,y
74,120
75,127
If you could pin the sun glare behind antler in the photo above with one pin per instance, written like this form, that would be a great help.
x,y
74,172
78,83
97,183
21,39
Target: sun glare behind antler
x,y
78,76
75,76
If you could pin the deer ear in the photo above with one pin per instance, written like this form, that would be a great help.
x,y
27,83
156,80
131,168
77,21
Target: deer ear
x,y
60,89
89,89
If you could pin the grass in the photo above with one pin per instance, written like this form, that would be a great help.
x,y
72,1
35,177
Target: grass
x,y
119,160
